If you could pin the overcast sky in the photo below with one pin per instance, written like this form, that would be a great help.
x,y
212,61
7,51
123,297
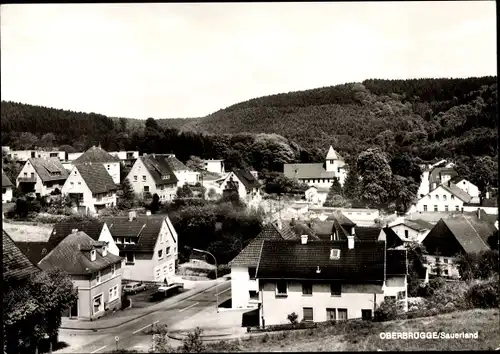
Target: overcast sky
x,y
190,60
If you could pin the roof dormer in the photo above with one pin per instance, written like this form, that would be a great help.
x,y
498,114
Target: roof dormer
x,y
104,251
93,255
334,253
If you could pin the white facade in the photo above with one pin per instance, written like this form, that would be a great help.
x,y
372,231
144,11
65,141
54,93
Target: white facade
x,y
244,291
488,210
113,169
251,197
142,181
74,155
75,184
408,234
423,189
447,264
6,194
215,166
469,188
28,171
439,199
187,176
106,237
24,155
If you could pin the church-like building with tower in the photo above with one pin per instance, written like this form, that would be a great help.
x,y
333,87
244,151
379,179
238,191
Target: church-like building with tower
x,y
320,175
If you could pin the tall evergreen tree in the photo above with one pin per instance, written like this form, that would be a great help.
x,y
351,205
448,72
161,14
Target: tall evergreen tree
x,y
351,184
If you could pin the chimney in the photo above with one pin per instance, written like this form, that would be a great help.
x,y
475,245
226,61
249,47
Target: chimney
x,y
350,242
353,231
303,239
74,231
148,213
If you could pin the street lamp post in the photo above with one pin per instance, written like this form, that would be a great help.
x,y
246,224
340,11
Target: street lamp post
x,y
216,288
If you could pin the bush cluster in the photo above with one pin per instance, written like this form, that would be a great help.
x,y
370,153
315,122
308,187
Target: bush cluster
x,y
484,295
222,270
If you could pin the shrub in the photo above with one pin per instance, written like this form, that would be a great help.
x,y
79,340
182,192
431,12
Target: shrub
x,y
222,270
388,310
293,318
484,295
193,343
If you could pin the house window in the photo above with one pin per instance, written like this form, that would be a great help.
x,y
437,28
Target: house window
x,y
135,178
98,304
79,183
170,267
281,288
144,178
446,208
92,255
445,271
113,293
98,277
165,270
342,314
335,289
72,183
435,208
32,175
330,315
107,167
452,197
160,254
445,260
444,196
146,188
25,174
254,295
157,274
308,313
251,272
130,258
425,207
457,208
167,251
437,197
406,233
366,314
307,288
429,196
421,195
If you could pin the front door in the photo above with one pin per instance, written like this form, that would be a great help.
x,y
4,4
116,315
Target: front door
x,y
74,310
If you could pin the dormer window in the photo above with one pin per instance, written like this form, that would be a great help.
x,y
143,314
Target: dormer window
x,y
92,255
104,251
165,176
334,253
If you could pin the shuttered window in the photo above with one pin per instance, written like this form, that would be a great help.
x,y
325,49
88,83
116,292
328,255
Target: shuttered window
x,y
308,313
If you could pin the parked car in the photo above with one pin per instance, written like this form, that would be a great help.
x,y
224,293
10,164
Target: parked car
x,y
134,288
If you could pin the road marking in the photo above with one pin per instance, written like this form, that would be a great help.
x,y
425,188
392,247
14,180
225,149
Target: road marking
x,y
185,308
140,329
223,291
95,351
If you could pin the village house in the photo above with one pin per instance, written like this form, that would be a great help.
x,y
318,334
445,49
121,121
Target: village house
x,y
91,187
246,183
488,204
456,234
244,287
360,216
318,174
7,188
411,230
149,244
183,173
445,197
95,272
127,158
334,280
39,153
441,175
72,156
96,155
152,174
42,176
214,166
468,187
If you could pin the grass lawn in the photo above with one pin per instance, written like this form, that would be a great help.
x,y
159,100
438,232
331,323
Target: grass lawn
x,y
366,337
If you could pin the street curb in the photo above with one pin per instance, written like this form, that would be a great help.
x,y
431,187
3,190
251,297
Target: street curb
x,y
135,318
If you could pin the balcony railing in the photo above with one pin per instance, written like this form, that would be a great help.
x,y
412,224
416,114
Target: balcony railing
x,y
26,179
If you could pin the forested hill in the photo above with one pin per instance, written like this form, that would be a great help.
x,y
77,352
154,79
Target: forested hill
x,y
429,117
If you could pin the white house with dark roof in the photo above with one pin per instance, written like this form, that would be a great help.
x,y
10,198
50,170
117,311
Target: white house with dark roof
x,y
445,197
91,188
468,187
327,280
7,188
97,155
127,158
248,187
95,272
318,174
39,153
153,174
42,176
183,173
411,230
214,166
453,235
149,244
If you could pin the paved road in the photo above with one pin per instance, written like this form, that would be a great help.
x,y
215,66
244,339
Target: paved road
x,y
131,334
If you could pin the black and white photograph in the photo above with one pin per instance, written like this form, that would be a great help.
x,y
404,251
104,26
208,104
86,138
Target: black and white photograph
x,y
196,177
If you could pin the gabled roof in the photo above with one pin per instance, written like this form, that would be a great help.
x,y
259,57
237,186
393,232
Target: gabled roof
x,y
417,225
434,175
176,164
294,260
16,266
5,180
159,168
341,218
35,251
96,154
391,238
50,169
306,170
96,177
367,233
143,230
458,192
332,154
64,228
71,255
248,180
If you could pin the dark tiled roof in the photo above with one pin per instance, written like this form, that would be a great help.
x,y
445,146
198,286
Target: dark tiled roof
x,y
459,193
293,260
484,227
158,167
175,164
96,178
434,175
367,233
322,229
96,154
396,262
35,251
16,266
49,169
302,229
306,170
392,238
422,224
69,256
417,226
248,180
5,180
64,228
286,232
144,230
341,218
